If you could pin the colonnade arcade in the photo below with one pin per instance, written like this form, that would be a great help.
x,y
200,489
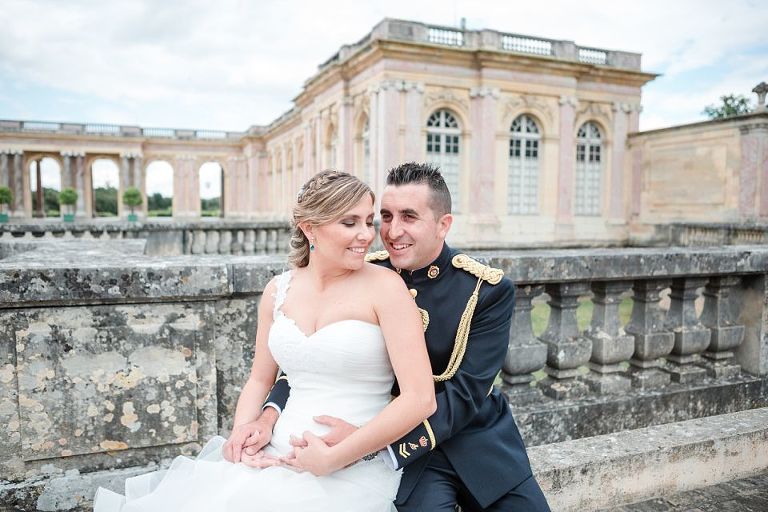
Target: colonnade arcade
x,y
170,185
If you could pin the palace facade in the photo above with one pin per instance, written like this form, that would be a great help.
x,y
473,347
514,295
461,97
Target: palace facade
x,y
536,139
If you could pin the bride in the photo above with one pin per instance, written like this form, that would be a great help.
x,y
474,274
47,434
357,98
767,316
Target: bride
x,y
343,330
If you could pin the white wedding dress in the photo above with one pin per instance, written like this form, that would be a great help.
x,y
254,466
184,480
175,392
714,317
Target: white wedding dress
x,y
341,370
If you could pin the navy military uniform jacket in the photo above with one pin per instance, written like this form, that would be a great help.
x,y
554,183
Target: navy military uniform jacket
x,y
472,425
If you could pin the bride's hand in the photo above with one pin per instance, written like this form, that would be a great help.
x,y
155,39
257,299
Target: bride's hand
x,y
315,457
340,429
260,460
233,448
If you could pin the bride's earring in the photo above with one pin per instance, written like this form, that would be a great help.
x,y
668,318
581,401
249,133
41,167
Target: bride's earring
x,y
312,244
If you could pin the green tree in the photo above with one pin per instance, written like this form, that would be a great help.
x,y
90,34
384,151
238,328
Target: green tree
x,y
732,105
6,197
105,201
50,202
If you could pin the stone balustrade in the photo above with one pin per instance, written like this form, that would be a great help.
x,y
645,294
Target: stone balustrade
x,y
168,238
698,234
114,130
659,345
391,29
112,361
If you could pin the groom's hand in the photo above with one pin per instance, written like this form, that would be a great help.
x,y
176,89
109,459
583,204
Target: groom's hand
x,y
263,434
340,429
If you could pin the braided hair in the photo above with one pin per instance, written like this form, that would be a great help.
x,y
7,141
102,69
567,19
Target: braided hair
x,y
322,199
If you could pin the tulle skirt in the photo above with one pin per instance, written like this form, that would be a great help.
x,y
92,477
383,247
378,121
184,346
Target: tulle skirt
x,y
209,483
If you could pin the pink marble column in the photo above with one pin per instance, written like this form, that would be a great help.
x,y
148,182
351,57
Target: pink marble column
x,y
373,139
566,178
414,141
16,182
483,104
388,113
637,181
317,165
749,177
307,169
621,113
345,142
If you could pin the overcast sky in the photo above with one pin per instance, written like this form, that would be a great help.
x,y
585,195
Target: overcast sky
x,y
231,64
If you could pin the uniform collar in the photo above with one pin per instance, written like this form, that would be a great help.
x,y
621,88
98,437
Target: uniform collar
x,y
431,272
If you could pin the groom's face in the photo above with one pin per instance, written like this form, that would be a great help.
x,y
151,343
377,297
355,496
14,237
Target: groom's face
x,y
410,229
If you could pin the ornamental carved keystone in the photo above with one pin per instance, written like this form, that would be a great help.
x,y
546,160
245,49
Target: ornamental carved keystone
x,y
526,102
445,95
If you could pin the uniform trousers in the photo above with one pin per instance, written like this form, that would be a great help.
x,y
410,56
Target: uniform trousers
x,y
440,489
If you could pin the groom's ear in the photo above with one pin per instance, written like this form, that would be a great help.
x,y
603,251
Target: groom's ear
x,y
444,225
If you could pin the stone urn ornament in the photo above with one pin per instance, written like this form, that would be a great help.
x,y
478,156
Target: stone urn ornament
x,y
132,198
68,200
6,198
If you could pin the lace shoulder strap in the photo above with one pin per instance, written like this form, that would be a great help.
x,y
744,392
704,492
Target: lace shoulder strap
x,y
283,282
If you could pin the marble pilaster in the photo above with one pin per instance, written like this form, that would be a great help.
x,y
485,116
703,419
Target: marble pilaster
x,y
414,100
567,161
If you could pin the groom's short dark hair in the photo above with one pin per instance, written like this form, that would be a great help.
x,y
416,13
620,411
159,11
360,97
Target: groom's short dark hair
x,y
428,174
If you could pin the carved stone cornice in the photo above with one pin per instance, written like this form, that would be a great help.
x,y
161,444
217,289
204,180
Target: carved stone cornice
x,y
482,92
529,102
593,108
445,95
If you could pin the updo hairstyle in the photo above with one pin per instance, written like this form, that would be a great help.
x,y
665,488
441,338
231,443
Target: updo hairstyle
x,y
322,199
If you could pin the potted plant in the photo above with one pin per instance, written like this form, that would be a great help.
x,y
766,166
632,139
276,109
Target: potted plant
x,y
6,198
68,200
132,198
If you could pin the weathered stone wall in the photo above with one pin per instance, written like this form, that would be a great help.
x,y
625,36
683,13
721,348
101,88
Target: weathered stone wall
x,y
114,362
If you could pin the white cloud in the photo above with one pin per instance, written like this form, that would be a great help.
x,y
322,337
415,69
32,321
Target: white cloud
x,y
233,63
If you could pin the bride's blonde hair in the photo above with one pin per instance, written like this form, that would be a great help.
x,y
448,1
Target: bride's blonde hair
x,y
322,199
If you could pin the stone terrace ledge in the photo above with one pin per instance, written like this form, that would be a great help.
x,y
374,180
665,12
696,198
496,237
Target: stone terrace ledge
x,y
488,40
112,361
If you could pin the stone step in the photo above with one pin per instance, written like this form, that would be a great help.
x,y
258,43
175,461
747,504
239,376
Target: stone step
x,y
635,465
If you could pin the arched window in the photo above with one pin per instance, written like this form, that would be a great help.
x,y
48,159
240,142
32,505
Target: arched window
x,y
45,185
589,152
159,189
443,146
211,189
105,181
523,187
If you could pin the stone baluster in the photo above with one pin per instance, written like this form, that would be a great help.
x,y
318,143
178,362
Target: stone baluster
x,y
652,341
284,240
610,344
199,241
249,241
261,241
691,337
237,242
211,241
188,238
225,241
525,354
272,241
567,348
718,317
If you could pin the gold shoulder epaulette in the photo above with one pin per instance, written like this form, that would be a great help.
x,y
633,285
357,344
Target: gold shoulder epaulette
x,y
477,269
377,256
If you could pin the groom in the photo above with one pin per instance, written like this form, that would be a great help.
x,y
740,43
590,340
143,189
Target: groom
x,y
469,452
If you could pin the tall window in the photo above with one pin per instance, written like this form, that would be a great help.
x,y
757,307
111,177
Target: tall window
x,y
589,155
366,143
523,188
443,145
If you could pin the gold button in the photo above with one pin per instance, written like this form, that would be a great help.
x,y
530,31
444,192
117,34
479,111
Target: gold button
x,y
433,272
